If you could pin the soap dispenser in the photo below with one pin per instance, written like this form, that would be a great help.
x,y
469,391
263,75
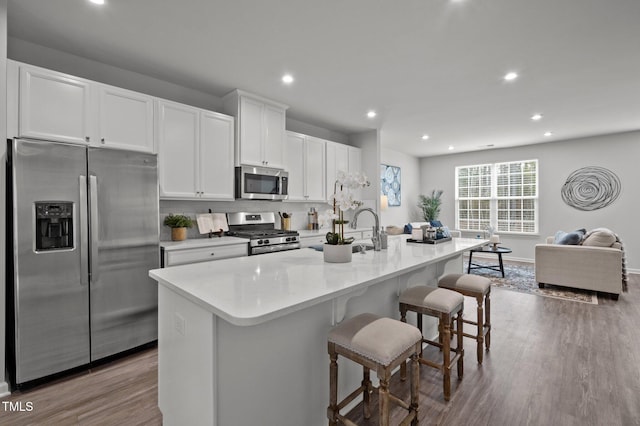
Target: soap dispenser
x,y
383,238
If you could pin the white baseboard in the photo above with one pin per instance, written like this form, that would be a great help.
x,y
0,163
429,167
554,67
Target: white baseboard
x,y
4,389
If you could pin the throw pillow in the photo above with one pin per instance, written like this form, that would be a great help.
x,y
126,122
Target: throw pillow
x,y
600,237
569,238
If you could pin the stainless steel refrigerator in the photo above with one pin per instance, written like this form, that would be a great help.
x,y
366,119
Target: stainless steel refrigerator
x,y
84,231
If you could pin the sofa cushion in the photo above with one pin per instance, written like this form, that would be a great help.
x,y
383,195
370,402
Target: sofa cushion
x,y
569,238
600,237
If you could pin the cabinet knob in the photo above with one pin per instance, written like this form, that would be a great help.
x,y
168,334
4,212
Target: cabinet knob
x,y
102,140
213,254
87,138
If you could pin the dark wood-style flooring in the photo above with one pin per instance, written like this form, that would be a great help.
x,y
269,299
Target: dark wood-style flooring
x,y
552,362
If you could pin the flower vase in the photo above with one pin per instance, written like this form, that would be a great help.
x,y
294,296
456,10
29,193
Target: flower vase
x,y
337,253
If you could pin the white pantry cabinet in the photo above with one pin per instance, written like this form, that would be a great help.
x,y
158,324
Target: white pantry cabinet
x,y
195,153
343,158
56,106
260,129
304,159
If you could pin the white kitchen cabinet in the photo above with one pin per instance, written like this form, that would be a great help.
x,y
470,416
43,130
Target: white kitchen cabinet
x,y
53,106
260,129
126,119
304,159
203,254
343,158
195,153
61,107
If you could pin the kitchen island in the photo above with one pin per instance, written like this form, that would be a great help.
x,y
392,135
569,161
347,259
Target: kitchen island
x,y
243,341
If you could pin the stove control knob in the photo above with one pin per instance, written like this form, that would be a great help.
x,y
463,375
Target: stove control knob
x,y
260,241
266,241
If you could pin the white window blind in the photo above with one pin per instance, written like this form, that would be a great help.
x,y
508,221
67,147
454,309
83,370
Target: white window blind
x,y
502,195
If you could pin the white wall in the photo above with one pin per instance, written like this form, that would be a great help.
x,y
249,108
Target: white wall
x,y
410,188
618,153
3,159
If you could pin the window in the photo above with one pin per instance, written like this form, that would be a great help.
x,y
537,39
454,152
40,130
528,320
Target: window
x,y
502,195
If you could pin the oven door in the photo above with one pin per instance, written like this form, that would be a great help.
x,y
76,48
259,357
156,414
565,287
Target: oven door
x,y
261,183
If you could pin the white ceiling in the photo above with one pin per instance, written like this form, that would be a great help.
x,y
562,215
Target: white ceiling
x,y
426,66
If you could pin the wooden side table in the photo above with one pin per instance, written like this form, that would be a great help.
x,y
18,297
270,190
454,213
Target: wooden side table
x,y
488,249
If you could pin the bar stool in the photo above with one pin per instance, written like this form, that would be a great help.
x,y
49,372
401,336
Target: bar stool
x,y
480,288
379,344
446,305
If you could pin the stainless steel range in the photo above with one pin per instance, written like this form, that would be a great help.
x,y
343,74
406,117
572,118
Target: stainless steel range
x,y
262,233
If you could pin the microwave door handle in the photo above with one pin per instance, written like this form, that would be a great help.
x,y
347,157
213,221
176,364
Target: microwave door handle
x,y
84,230
93,208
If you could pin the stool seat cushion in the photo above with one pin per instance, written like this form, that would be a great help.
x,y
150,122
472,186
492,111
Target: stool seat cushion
x,y
438,299
465,282
377,338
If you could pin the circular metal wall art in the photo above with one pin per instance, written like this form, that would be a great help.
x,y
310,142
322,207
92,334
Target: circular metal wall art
x,y
591,188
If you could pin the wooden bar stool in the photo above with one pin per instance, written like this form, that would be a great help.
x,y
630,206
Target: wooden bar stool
x,y
446,305
480,288
379,344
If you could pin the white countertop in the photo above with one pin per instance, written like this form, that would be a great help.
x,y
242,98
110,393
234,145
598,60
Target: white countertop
x,y
202,242
254,289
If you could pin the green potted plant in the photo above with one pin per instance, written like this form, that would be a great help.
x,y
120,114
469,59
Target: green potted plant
x,y
178,224
430,205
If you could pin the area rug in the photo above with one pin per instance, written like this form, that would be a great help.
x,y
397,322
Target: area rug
x,y
521,278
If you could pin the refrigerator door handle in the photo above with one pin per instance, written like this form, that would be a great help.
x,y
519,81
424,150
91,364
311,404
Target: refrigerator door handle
x,y
84,232
93,209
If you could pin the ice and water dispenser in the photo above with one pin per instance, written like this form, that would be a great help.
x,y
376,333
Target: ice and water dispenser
x,y
54,225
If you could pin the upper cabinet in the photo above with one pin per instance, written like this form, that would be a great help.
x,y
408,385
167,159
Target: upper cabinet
x,y
126,119
195,153
304,160
53,106
260,129
343,158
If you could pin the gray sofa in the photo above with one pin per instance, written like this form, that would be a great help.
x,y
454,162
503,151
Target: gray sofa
x,y
590,266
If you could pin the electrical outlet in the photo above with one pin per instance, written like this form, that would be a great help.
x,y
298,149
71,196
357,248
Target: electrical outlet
x,y
178,323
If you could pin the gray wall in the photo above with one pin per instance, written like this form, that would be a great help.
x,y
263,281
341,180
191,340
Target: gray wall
x,y
618,153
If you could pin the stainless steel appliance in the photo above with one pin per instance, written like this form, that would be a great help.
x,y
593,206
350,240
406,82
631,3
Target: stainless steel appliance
x,y
260,229
82,233
261,183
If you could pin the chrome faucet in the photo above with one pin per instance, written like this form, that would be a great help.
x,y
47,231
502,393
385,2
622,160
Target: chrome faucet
x,y
376,228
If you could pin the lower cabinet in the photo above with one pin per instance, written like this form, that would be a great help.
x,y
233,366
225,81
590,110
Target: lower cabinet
x,y
202,254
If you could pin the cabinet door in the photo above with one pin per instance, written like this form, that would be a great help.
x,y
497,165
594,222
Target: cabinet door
x,y
251,132
53,106
274,136
216,156
204,254
337,160
314,161
294,165
177,150
355,165
126,119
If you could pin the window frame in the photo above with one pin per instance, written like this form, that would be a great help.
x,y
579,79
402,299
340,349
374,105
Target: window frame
x,y
505,188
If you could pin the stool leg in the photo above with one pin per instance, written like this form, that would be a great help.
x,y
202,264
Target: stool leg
x,y
460,349
366,383
445,321
332,411
415,386
487,319
403,366
383,399
480,335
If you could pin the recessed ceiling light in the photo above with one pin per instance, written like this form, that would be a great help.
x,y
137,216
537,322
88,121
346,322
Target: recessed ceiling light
x,y
371,114
450,147
547,134
425,137
287,79
97,1
510,76
536,117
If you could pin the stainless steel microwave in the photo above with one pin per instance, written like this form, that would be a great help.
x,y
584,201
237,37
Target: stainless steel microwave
x,y
261,183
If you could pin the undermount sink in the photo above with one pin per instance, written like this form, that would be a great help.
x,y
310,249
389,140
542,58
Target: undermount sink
x,y
361,248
